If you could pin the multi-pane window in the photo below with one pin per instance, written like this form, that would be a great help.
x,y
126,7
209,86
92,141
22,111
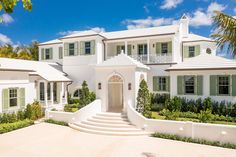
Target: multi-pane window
x,y
162,83
41,91
189,84
142,49
191,51
223,85
71,49
13,97
120,48
164,48
87,48
47,53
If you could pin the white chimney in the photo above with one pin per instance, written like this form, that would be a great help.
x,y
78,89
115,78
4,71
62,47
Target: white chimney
x,y
184,26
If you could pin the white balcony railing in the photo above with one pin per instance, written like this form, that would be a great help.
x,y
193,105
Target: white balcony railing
x,y
152,59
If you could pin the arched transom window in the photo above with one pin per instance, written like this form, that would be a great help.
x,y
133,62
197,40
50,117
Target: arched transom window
x,y
115,78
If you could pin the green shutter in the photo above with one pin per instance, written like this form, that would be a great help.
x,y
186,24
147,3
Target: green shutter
x,y
158,48
168,83
213,85
93,47
82,48
21,97
233,85
60,53
5,99
197,50
199,85
76,48
170,47
51,53
66,49
155,83
42,54
185,52
129,50
180,85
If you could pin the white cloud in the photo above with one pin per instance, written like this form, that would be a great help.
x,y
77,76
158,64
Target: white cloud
x,y
4,39
69,32
235,10
6,18
148,22
204,18
168,4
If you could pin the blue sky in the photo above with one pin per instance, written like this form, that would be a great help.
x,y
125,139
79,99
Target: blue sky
x,y
51,19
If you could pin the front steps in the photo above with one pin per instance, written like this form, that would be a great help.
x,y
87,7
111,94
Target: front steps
x,y
107,123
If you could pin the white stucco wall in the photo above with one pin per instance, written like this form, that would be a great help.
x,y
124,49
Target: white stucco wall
x,y
206,83
17,80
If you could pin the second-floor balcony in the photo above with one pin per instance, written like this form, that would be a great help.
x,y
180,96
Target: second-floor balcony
x,y
146,51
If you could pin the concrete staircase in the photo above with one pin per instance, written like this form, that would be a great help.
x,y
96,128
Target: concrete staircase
x,y
107,123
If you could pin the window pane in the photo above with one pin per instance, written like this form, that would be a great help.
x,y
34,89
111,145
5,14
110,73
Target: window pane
x,y
49,91
41,86
162,83
224,85
71,49
87,47
47,54
189,84
191,51
164,48
13,97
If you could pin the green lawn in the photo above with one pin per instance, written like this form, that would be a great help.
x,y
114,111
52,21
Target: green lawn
x,y
155,115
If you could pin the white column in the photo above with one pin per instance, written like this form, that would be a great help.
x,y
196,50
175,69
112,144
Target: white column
x,y
148,50
51,90
61,92
126,47
46,94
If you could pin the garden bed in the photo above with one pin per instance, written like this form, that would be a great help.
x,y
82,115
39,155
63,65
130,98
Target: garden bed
x,y
7,127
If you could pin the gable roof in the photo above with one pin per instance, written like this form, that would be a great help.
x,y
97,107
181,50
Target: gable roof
x,y
195,37
122,60
43,69
55,41
170,29
204,62
81,34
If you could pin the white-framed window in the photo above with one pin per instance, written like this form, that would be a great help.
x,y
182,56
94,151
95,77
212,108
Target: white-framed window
x,y
224,85
191,51
13,97
164,48
87,46
142,49
41,91
189,84
71,49
49,91
47,54
162,83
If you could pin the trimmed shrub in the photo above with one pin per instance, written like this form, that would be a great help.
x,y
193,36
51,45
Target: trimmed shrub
x,y
205,116
207,104
199,141
33,111
71,107
169,115
173,104
158,101
6,127
56,122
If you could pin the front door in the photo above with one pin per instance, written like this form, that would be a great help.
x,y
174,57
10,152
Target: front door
x,y
115,94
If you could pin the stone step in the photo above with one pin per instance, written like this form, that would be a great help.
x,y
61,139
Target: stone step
x,y
110,118
108,121
109,129
111,114
136,133
108,125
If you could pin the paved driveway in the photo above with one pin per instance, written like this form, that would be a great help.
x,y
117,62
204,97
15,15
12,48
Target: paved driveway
x,y
48,140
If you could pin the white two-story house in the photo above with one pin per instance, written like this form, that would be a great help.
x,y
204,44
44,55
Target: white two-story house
x,y
169,58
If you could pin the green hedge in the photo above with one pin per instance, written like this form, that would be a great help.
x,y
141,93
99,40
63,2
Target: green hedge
x,y
56,122
7,127
191,140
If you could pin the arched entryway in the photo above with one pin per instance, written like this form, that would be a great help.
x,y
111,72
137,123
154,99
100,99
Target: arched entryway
x,y
115,94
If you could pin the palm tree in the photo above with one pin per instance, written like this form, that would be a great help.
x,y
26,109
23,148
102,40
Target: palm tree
x,y
225,27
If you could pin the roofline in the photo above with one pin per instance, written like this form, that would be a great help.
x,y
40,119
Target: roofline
x,y
81,36
195,69
50,43
161,64
140,36
198,41
19,70
121,66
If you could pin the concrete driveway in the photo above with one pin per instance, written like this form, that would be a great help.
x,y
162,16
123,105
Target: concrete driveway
x,y
49,140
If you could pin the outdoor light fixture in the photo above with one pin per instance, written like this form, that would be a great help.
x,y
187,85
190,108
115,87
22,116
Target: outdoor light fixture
x,y
133,47
153,45
129,86
99,86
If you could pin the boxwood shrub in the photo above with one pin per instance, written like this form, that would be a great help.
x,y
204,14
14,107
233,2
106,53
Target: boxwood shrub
x,y
56,122
6,127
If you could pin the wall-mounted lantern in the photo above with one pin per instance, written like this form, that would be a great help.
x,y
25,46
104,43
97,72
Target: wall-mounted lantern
x,y
129,86
99,86
153,45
